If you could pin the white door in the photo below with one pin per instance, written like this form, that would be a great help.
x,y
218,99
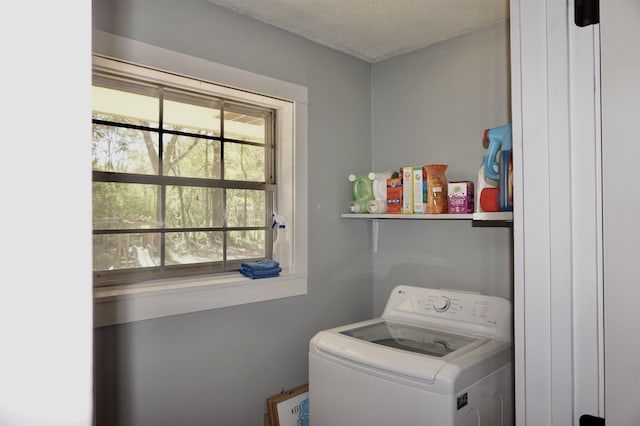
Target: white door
x,y
620,35
557,215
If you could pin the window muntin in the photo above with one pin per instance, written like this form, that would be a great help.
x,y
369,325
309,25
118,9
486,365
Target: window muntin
x,y
197,190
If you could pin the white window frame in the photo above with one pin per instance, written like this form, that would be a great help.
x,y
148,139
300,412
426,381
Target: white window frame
x,y
131,302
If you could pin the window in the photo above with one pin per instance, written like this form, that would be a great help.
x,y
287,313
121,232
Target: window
x,y
183,181
273,180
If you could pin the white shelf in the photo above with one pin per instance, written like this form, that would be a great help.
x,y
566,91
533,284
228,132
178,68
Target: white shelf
x,y
475,217
484,216
494,216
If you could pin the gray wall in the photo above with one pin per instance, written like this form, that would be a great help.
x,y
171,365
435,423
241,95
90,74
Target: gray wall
x,y
431,107
218,367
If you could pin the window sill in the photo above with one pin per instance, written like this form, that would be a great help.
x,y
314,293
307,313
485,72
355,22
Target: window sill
x,y
123,304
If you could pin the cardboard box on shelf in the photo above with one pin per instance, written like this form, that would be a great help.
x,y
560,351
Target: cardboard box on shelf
x,y
394,195
461,199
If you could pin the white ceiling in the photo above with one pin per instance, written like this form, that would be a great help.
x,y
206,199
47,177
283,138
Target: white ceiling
x,y
374,30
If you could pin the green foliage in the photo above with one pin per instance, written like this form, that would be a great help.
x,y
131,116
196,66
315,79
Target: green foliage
x,y
137,206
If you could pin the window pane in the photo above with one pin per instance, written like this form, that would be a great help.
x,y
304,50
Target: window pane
x,y
130,104
194,207
246,245
243,162
117,149
125,251
125,206
245,207
192,114
191,157
244,127
172,178
193,247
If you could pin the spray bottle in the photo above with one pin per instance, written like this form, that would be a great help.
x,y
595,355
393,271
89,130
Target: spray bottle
x,y
498,163
281,244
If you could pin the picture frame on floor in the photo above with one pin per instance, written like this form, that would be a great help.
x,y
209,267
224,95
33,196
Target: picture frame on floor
x,y
289,408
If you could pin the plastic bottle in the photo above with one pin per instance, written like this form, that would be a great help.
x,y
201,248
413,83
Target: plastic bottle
x,y
505,197
377,206
362,190
358,206
497,163
486,192
281,248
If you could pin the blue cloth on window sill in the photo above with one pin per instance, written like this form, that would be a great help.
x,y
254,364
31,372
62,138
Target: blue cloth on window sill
x,y
260,265
261,273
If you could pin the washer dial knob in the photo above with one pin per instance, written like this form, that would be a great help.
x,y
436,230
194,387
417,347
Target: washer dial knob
x,y
441,304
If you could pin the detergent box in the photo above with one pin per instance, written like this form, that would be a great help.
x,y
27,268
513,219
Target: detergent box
x,y
461,198
407,190
394,195
419,190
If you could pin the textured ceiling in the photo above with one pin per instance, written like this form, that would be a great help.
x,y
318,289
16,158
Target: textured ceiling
x,y
374,30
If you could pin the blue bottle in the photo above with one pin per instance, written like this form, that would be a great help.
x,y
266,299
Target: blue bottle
x,y
498,163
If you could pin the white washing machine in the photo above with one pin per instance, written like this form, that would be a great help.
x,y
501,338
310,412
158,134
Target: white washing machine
x,y
434,358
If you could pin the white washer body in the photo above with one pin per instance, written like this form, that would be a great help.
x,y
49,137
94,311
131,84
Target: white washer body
x,y
434,358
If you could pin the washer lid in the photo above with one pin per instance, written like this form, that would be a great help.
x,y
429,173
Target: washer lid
x,y
410,338
395,347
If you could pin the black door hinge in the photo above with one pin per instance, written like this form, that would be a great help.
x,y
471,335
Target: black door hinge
x,y
588,420
587,12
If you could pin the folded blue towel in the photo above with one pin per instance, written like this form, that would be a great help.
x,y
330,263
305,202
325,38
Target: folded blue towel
x,y
260,265
261,273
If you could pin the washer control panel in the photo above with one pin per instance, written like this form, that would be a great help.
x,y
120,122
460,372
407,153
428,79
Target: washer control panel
x,y
457,309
